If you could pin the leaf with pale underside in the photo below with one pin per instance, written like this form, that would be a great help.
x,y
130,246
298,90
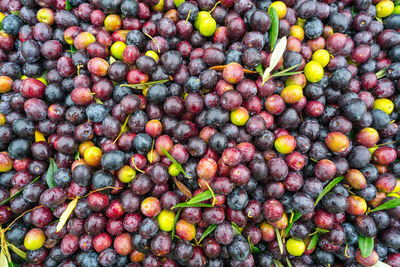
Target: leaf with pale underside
x,y
65,215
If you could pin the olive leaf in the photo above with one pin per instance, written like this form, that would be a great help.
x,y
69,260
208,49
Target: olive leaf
x,y
279,239
112,60
50,173
286,72
296,216
260,70
98,101
203,196
274,30
236,229
275,57
67,5
76,157
194,205
65,215
288,262
328,188
222,67
19,252
3,258
122,128
381,73
313,241
183,188
393,203
19,192
174,161
253,249
144,85
366,245
207,232
278,263
176,218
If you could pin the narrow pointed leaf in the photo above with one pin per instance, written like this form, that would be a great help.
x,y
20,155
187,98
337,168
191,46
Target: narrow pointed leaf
x,y
275,57
279,239
288,262
329,188
260,70
143,85
236,229
50,173
203,196
366,245
278,263
174,161
313,242
98,101
19,252
274,29
253,249
194,205
3,258
321,231
65,215
207,232
176,218
183,188
388,205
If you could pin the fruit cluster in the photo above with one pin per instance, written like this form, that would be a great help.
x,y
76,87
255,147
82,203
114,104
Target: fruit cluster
x,y
199,133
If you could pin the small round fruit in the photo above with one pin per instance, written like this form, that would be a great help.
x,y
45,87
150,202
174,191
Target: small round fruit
x,y
280,8
233,73
295,247
5,84
34,239
117,50
337,141
185,230
6,162
150,207
126,174
207,26
166,220
173,170
321,56
92,156
384,104
313,71
384,8
292,94
285,144
239,116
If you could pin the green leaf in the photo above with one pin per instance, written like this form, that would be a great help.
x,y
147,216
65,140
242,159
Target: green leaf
x,y
72,49
288,262
3,258
353,12
174,161
366,245
18,193
296,216
275,57
279,239
194,205
208,231
328,188
76,157
176,218
313,241
112,60
143,85
321,231
14,12
381,73
278,263
68,5
203,196
388,205
253,249
236,229
274,29
19,252
50,173
397,2
260,70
